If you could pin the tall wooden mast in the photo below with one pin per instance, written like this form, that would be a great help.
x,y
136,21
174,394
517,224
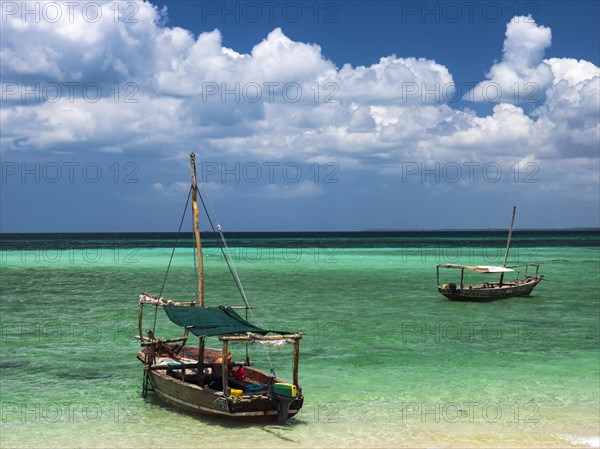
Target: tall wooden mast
x,y
512,222
509,236
200,301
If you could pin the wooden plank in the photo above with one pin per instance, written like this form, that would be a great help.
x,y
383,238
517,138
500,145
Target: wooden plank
x,y
165,366
149,343
259,337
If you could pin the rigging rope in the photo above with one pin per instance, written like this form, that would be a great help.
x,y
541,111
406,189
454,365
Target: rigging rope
x,y
176,240
171,258
228,260
232,270
224,249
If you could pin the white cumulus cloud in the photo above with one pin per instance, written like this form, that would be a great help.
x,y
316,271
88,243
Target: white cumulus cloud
x,y
522,74
156,90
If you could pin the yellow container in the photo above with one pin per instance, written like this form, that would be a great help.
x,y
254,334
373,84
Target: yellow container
x,y
237,393
284,389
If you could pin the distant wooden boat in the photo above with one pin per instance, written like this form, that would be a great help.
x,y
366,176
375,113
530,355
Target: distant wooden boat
x,y
206,381
490,290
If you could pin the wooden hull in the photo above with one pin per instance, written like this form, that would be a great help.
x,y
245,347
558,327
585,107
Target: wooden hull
x,y
194,399
185,394
491,291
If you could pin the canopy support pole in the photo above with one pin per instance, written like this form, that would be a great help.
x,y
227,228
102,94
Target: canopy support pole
x,y
140,316
296,360
201,362
225,369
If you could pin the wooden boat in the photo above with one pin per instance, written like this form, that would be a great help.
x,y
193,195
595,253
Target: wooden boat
x,y
201,380
491,290
488,291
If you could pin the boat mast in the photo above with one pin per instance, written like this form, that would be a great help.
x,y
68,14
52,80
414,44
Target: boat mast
x,y
512,222
509,236
200,301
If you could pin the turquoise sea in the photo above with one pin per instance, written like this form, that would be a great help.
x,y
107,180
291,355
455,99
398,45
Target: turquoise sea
x,y
386,361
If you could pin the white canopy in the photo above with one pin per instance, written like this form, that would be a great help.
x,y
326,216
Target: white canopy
x,y
480,268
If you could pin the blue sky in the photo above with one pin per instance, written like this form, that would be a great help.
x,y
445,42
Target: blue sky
x,y
303,115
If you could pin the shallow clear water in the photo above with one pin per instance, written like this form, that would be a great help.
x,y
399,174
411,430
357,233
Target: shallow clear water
x,y
385,360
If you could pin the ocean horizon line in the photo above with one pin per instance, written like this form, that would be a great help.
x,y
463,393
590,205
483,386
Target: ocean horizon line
x,y
360,231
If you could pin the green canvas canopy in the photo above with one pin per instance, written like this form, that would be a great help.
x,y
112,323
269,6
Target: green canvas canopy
x,y
210,321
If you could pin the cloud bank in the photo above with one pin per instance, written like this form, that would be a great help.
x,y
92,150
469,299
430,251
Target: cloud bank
x,y
76,85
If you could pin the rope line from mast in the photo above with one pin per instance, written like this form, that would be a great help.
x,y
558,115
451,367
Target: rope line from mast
x,y
172,255
176,240
224,248
232,270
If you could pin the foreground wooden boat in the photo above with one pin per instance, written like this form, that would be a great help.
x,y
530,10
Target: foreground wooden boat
x,y
206,381
490,290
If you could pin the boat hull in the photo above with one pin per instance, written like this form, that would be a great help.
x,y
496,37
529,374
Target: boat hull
x,y
184,393
490,291
194,399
